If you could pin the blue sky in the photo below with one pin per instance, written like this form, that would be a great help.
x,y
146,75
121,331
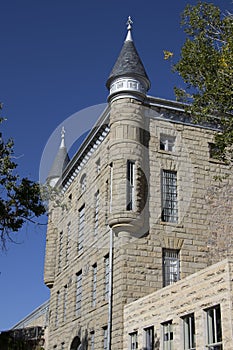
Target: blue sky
x,y
54,61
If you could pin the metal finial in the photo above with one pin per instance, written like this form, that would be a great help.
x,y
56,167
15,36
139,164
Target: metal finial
x,y
62,137
129,23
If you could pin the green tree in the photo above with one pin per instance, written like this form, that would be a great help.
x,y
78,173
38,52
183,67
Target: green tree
x,y
206,67
20,198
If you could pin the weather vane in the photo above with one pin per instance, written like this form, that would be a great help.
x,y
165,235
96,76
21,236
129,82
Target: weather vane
x,y
129,23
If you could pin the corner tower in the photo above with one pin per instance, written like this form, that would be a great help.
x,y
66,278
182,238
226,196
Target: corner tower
x,y
128,153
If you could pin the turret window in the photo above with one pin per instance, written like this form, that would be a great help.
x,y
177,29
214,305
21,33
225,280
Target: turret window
x,y
130,185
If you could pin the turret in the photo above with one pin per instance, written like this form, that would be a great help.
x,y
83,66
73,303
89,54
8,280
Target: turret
x,y
128,84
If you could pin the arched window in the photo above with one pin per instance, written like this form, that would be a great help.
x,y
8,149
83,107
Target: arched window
x,y
76,344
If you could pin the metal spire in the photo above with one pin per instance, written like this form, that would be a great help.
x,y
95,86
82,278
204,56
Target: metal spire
x,y
129,27
62,145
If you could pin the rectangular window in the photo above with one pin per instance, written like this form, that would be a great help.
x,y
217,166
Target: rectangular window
x,y
105,337
92,340
189,332
60,251
149,338
62,346
57,309
167,336
169,196
78,293
96,215
214,328
106,281
94,283
97,166
81,228
171,266
167,143
130,185
65,303
68,246
133,340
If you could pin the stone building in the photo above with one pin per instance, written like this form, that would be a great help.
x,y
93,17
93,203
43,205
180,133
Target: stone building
x,y
133,218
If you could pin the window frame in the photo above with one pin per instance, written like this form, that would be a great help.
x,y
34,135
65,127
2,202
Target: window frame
x,y
94,284
149,338
68,242
83,183
169,196
133,340
168,327
130,186
167,143
189,332
81,227
65,298
60,251
168,257
58,296
106,277
212,327
96,213
78,298
105,337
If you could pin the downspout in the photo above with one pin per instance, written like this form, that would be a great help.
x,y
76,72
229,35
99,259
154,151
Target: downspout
x,y
110,289
110,268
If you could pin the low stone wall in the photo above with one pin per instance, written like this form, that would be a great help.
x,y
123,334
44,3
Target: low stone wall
x,y
194,294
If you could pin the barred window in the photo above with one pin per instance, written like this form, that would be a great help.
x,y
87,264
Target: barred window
x,y
214,328
96,215
65,303
189,332
57,309
81,228
78,293
60,251
94,284
171,266
92,340
169,196
105,338
68,241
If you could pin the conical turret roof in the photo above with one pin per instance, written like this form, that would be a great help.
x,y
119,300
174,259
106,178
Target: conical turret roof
x,y
128,62
61,160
